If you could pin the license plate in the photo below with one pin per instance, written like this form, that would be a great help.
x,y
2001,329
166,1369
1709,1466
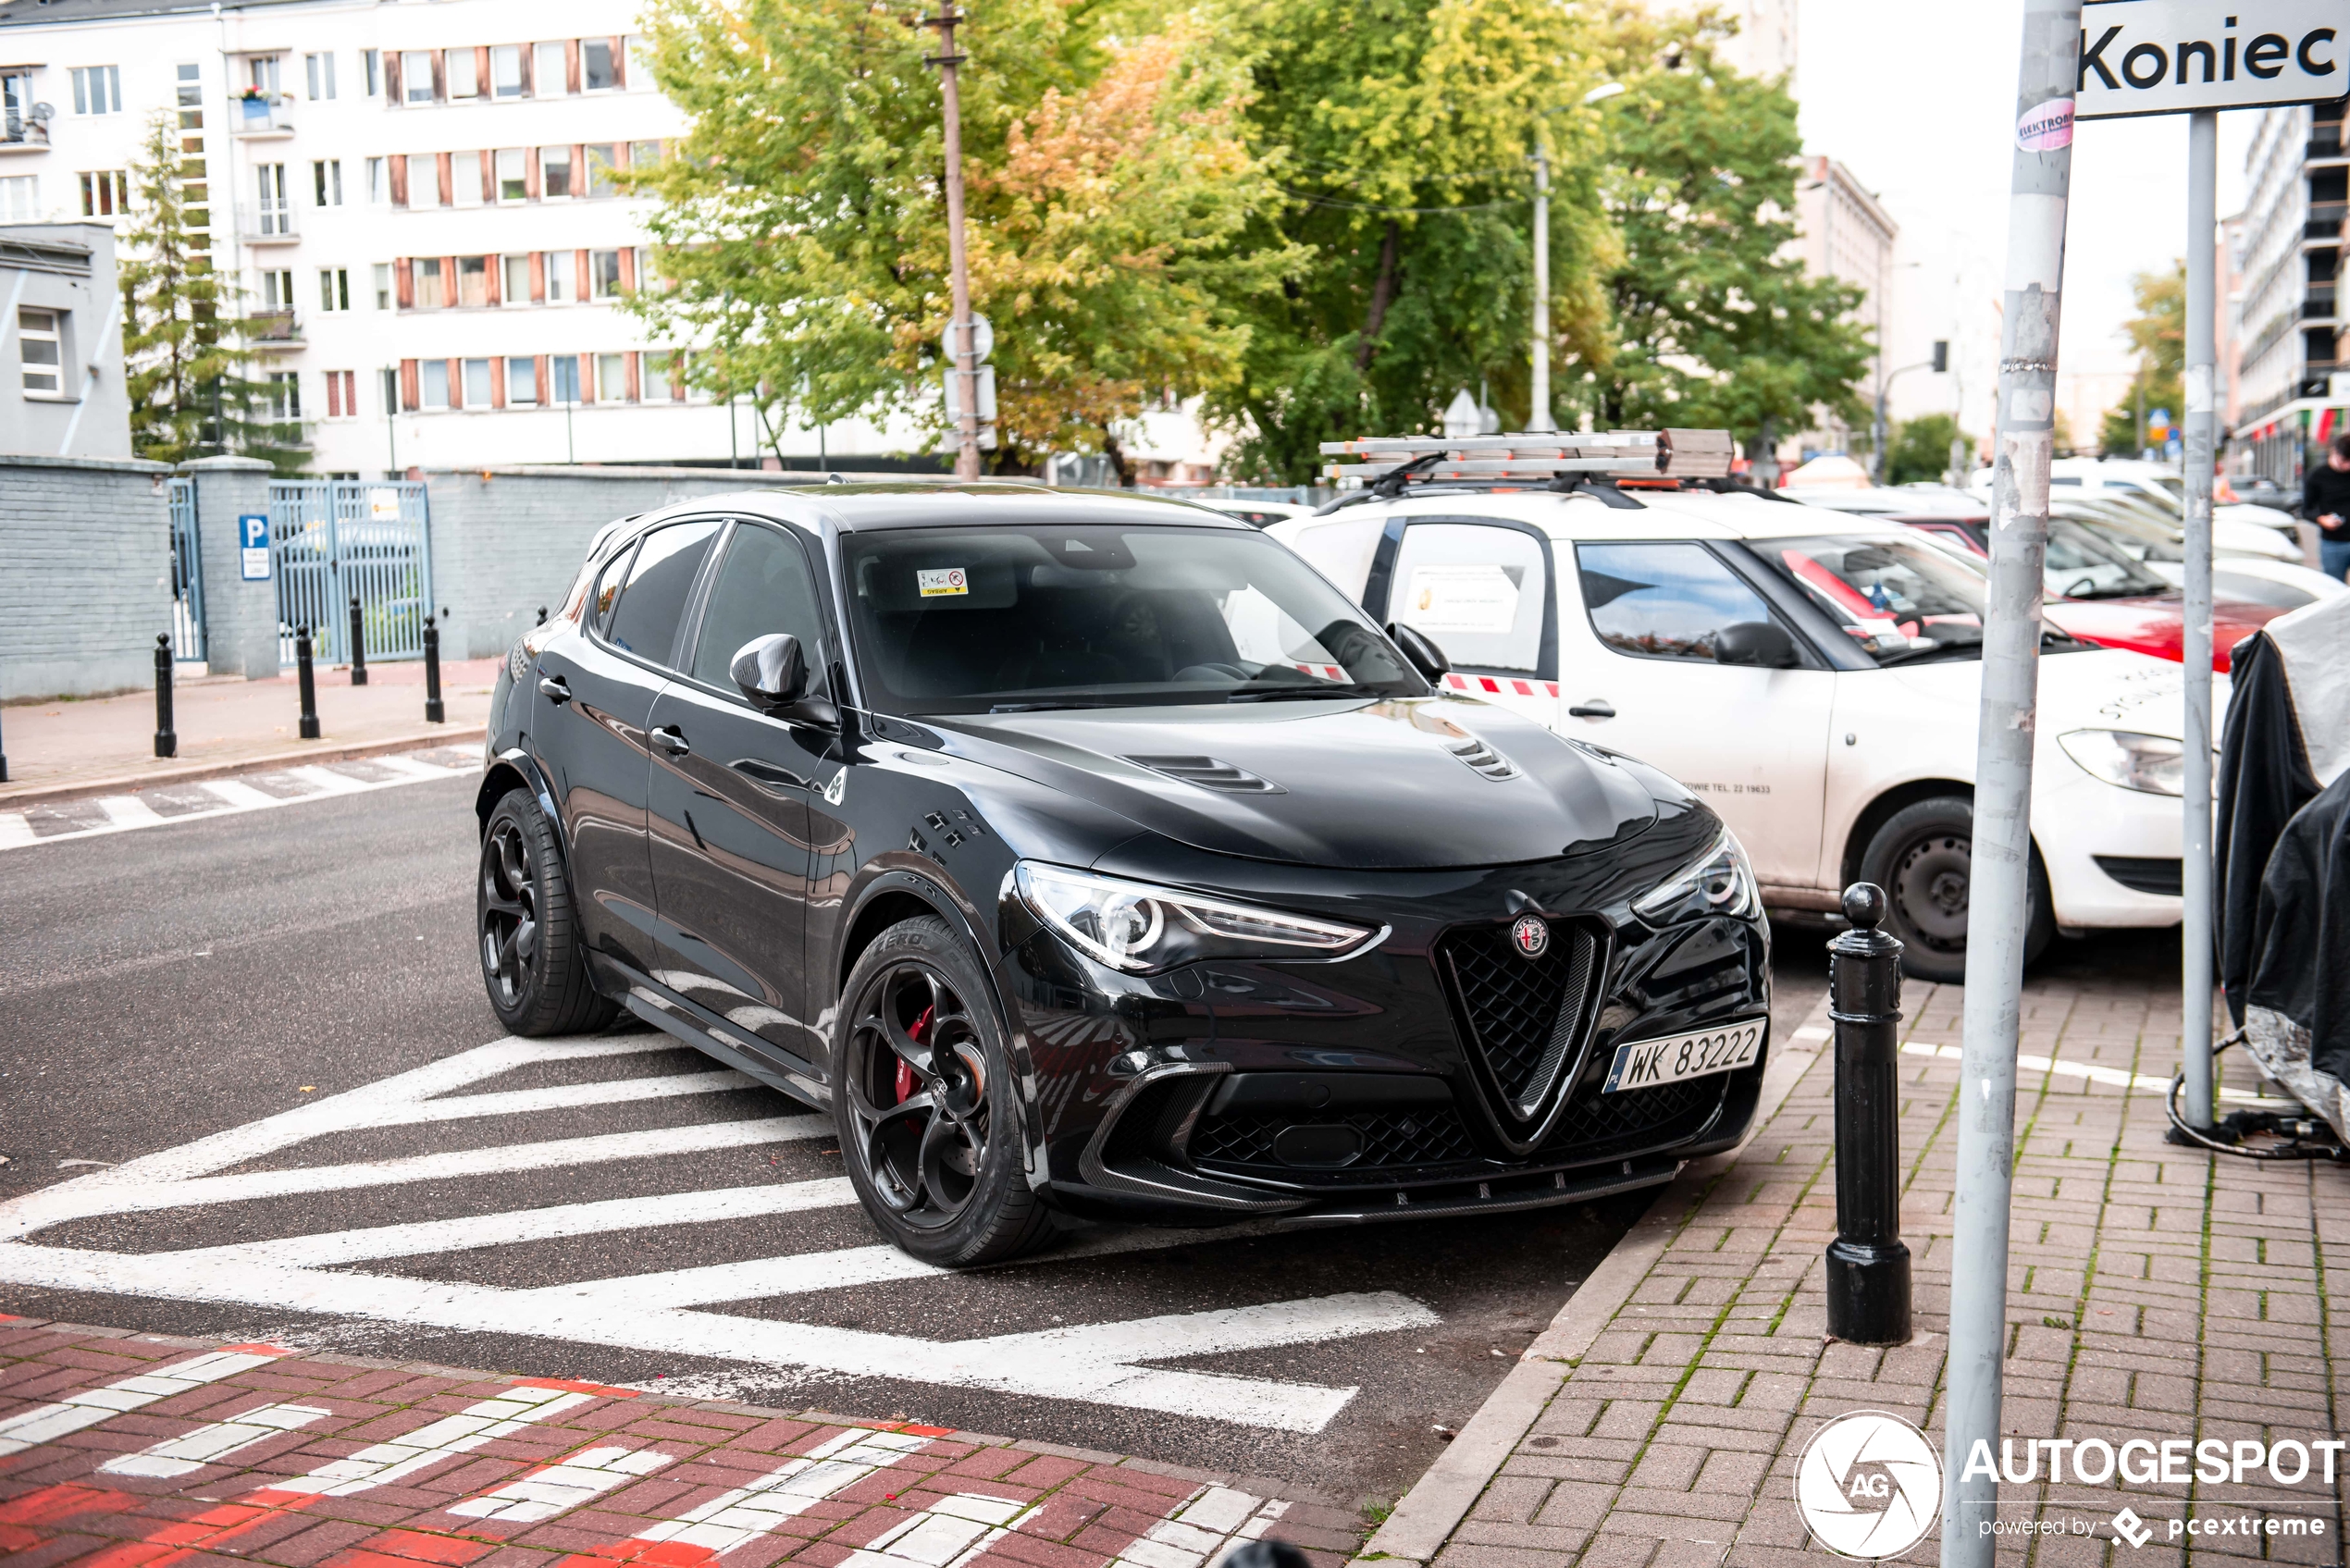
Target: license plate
x,y
1643,1064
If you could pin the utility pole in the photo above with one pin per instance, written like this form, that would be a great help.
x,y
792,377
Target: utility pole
x,y
2194,842
959,329
1538,419
2000,876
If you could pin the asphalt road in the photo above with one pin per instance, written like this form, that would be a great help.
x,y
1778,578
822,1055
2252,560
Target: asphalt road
x,y
175,983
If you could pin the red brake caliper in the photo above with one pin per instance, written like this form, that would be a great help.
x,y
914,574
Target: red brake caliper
x,y
906,1068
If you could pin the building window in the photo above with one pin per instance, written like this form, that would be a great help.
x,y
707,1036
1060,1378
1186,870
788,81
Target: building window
x,y
643,155
513,279
321,69
522,382
603,274
563,372
371,66
378,182
390,377
637,71
432,378
343,394
383,284
612,378
191,87
596,72
463,83
600,162
334,288
654,380
477,383
415,76
276,210
277,288
325,178
554,173
505,70
105,192
473,280
464,179
424,179
261,74
513,174
97,90
285,396
19,198
432,288
16,123
549,70
562,285
40,342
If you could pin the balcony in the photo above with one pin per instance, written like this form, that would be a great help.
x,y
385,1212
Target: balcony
x,y
18,134
277,328
2318,303
261,119
2324,221
2324,149
271,228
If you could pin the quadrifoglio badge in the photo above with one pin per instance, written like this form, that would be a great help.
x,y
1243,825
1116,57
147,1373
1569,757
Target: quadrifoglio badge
x,y
1870,1484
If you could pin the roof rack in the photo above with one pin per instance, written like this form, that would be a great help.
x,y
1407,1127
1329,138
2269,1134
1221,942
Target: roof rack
x,y
1531,458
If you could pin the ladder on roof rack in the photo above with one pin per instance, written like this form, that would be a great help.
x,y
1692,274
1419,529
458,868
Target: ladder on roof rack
x,y
1528,458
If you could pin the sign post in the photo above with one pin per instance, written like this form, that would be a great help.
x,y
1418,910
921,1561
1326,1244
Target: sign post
x,y
2194,839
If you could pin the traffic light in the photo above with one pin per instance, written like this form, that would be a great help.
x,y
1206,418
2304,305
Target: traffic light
x,y
1941,354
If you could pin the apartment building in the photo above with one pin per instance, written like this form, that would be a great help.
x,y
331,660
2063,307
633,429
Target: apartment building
x,y
423,203
2289,373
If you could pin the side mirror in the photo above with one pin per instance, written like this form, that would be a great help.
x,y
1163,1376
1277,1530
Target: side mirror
x,y
1426,657
1756,643
770,671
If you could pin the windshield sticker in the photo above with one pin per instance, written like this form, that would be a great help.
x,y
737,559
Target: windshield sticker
x,y
943,580
1461,599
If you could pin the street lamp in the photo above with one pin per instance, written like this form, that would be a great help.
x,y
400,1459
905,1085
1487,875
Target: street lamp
x,y
1538,419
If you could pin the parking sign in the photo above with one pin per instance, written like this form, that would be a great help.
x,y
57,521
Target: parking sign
x,y
252,539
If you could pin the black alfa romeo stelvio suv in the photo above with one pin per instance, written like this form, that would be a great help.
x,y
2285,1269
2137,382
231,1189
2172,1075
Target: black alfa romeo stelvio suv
x,y
1094,855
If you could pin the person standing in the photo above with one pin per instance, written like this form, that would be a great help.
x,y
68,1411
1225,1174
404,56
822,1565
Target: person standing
x,y
2325,501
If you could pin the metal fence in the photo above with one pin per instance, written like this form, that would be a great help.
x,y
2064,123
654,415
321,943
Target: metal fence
x,y
187,574
334,538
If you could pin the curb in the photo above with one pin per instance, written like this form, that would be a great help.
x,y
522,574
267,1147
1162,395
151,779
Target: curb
x,y
195,773
1427,1515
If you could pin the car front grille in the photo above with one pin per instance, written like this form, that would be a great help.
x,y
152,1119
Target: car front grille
x,y
1599,1124
1422,1136
1522,1015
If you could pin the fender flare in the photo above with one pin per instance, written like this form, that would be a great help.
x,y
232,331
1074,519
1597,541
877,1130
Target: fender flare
x,y
534,779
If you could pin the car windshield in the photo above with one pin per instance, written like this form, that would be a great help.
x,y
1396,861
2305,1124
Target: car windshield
x,y
2081,563
1011,619
2128,529
1900,598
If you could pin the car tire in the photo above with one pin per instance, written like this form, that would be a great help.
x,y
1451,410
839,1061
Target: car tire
x,y
931,1124
1920,856
527,929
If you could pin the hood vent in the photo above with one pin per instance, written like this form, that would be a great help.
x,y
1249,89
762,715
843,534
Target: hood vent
x,y
1208,773
1483,758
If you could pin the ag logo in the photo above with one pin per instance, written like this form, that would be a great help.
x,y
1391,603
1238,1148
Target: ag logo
x,y
1870,1484
1531,935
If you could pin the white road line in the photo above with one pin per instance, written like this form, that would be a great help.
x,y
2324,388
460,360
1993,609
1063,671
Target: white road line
x,y
2112,1078
14,831
559,1489
129,811
329,1247
747,1513
567,1096
327,781
47,1423
409,767
379,1465
236,793
954,1530
210,1444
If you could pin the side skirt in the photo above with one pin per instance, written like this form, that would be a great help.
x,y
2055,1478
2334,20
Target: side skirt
x,y
673,1014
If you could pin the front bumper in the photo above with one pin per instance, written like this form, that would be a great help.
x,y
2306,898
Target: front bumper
x,y
2079,820
1384,1086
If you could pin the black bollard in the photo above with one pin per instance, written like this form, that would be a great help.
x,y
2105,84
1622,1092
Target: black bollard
x,y
434,712
166,739
1868,1272
358,644
542,615
308,679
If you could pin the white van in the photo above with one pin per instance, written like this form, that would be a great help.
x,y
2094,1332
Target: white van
x,y
1813,676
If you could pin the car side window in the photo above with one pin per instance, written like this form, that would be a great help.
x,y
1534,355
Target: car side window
x,y
1663,601
764,586
608,591
1482,592
653,602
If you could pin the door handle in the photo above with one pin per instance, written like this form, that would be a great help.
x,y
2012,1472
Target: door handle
x,y
554,688
1596,708
669,740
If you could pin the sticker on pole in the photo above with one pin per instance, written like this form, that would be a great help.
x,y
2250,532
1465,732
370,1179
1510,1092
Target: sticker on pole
x,y
2046,129
1869,1485
253,546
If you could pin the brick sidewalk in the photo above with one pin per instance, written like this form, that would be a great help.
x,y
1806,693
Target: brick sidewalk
x,y
2154,1292
142,1451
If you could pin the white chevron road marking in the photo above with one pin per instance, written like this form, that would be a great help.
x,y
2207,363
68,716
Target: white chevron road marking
x,y
47,1423
210,1444
127,813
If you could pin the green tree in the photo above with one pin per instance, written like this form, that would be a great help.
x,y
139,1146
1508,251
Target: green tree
x,y
1401,131
186,350
1921,449
801,243
2159,336
1714,320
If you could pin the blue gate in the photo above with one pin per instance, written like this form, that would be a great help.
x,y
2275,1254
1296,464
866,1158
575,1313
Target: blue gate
x,y
335,538
187,574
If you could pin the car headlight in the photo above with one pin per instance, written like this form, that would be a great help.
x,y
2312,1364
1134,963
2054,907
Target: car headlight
x,y
1139,928
2153,764
1719,882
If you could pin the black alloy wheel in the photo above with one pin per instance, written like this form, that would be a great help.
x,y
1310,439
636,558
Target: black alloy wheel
x,y
1924,856
929,1126
524,929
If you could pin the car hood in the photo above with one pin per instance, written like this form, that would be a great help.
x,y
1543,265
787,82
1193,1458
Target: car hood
x,y
2096,688
1354,783
2156,623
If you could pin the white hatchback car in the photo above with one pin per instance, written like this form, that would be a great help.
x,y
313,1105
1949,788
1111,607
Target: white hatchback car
x,y
1814,677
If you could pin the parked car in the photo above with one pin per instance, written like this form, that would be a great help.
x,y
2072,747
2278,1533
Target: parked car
x,y
1259,513
1092,853
1813,676
2159,486
2158,544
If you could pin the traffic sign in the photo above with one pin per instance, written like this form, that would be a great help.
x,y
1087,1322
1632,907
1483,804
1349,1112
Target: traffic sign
x,y
983,339
253,546
2169,56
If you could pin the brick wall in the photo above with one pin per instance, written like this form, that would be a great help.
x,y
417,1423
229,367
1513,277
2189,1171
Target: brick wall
x,y
87,582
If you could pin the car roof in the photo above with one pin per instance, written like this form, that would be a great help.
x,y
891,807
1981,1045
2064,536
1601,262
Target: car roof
x,y
1661,514
940,504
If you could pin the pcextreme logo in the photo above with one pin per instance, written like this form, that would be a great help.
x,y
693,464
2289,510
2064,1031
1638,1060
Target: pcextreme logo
x,y
1870,1484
